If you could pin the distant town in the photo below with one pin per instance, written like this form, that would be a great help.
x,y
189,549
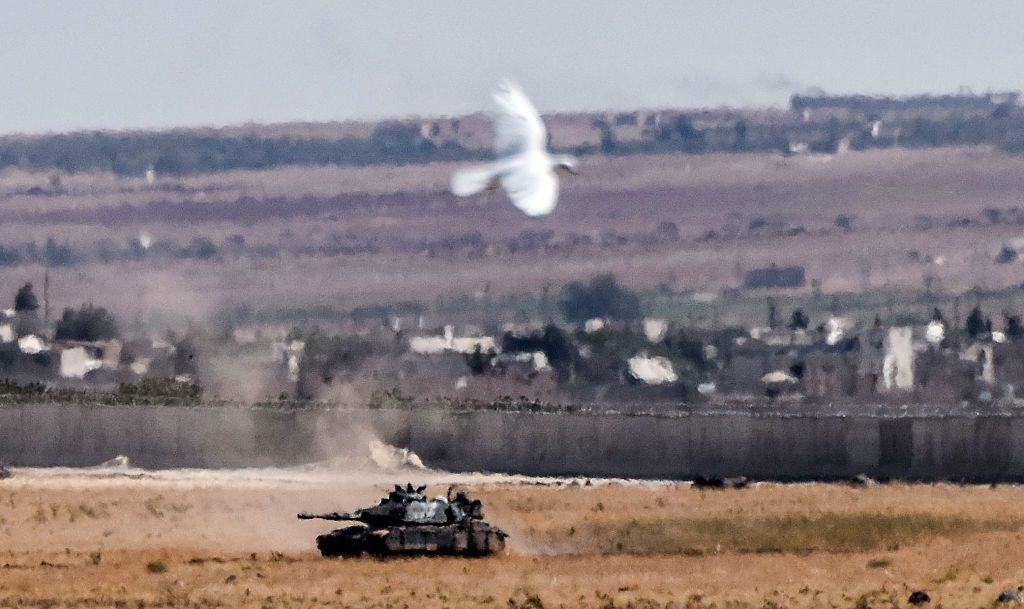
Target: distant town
x,y
599,349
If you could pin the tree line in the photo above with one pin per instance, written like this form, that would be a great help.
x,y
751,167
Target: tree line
x,y
940,122
184,153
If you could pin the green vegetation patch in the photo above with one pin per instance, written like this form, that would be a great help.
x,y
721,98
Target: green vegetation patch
x,y
785,534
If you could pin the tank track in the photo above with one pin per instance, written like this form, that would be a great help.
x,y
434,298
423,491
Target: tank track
x,y
471,538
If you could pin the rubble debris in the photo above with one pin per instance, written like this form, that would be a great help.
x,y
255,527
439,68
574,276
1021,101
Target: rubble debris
x,y
863,480
778,377
390,458
720,482
118,462
919,597
652,370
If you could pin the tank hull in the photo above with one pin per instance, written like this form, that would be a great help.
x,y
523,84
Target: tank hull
x,y
470,538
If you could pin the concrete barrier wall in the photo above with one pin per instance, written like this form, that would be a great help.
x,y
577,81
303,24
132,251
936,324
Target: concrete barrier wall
x,y
979,448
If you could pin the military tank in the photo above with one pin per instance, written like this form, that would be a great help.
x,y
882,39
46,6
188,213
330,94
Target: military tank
x,y
407,522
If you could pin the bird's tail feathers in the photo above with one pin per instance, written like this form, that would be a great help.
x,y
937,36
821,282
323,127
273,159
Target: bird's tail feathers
x,y
472,180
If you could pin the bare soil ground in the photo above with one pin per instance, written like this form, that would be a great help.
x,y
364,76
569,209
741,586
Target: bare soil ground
x,y
231,540
917,217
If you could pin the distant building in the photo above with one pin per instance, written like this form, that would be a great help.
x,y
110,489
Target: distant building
x,y
449,343
654,370
898,364
784,277
867,105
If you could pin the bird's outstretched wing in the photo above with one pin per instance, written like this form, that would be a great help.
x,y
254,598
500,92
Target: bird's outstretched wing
x,y
518,127
534,190
471,180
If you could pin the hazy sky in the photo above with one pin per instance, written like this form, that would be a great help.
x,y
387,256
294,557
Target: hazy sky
x,y
75,64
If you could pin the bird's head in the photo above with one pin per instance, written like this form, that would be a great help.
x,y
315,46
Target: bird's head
x,y
565,164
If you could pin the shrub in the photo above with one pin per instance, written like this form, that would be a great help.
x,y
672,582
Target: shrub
x,y
602,297
25,299
89,323
160,388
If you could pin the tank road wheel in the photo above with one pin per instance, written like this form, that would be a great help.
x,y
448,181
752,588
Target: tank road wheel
x,y
350,541
379,542
485,539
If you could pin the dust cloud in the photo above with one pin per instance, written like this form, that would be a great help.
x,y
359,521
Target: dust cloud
x,y
212,512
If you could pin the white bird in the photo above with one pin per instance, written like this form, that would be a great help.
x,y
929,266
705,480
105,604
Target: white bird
x,y
525,169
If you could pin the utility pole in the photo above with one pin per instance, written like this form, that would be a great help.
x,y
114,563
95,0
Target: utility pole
x,y
46,294
545,304
487,317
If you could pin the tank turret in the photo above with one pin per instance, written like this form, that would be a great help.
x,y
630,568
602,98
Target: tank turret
x,y
406,521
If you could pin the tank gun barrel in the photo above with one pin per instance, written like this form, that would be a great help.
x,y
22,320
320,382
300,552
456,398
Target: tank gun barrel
x,y
328,516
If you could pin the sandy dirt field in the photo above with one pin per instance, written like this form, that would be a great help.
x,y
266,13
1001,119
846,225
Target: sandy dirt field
x,y
128,538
